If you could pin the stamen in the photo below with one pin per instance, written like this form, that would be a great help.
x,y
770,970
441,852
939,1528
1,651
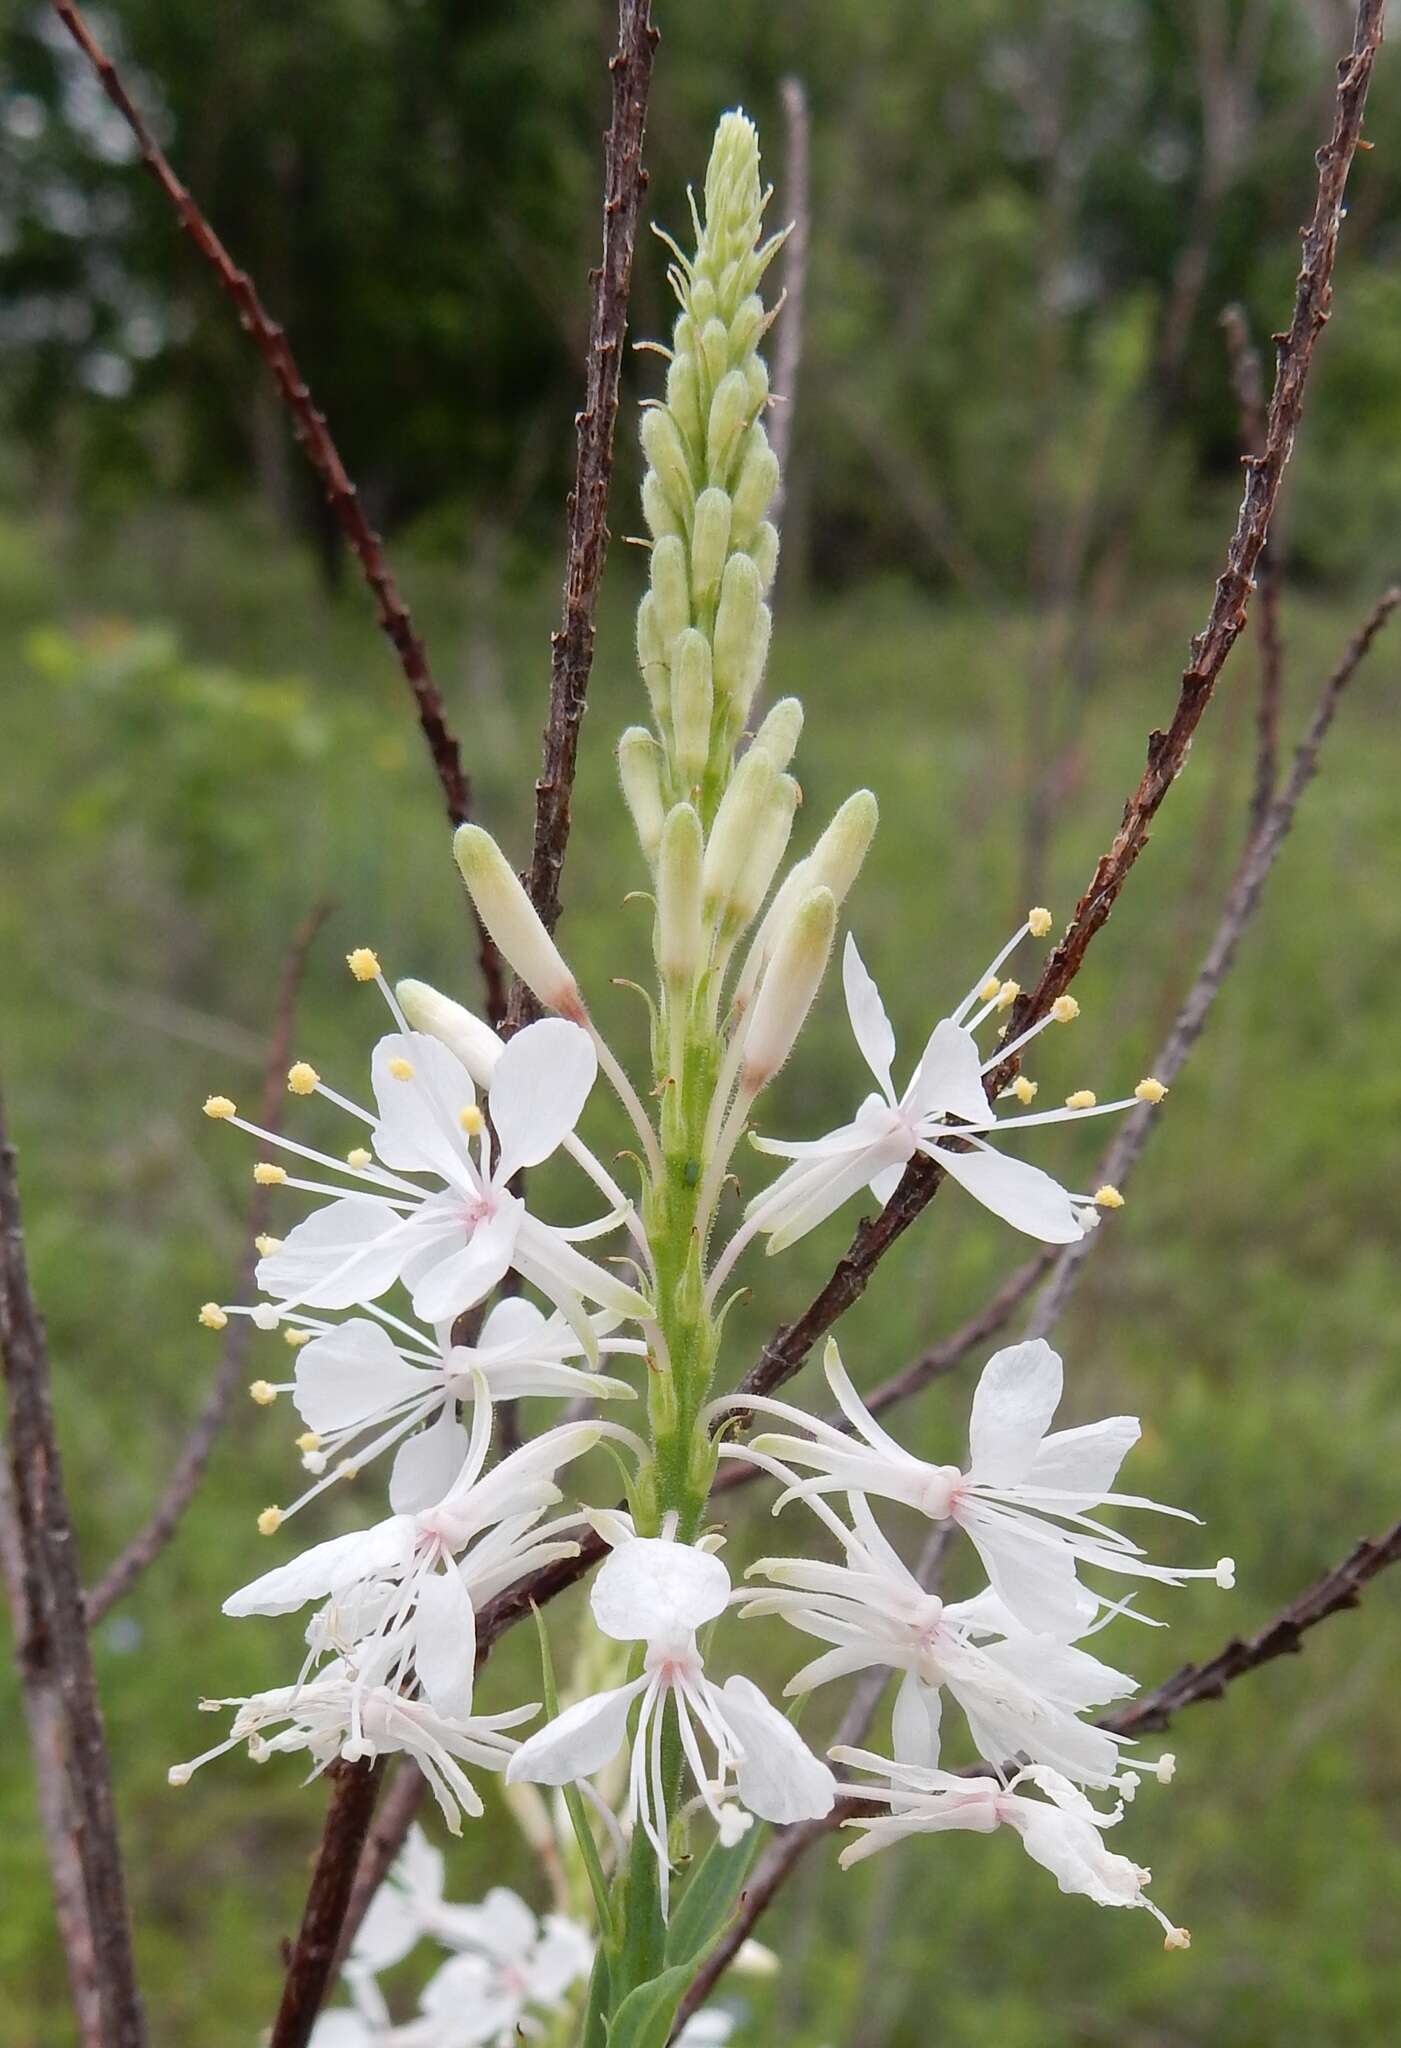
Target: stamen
x,y
401,1069
1225,1573
472,1120
1038,922
1007,995
1083,1098
308,1441
212,1316
269,1521
269,1176
1065,1009
302,1078
358,1159
1108,1197
363,964
1024,1090
1149,1090
219,1107
263,1392
265,1246
296,1338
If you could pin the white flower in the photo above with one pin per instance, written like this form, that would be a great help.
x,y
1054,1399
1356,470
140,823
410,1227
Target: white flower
x,y
1023,1500
1020,1694
944,1100
656,1591
711,2027
1062,1832
513,1970
361,1387
451,1242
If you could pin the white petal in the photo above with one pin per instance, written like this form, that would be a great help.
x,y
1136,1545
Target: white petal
x,y
421,1867
419,1127
884,1183
327,1569
427,1464
551,1263
1017,1394
468,2003
457,1279
778,1778
562,1955
577,1742
650,1589
390,1928
503,1925
445,1644
1084,1462
825,1188
349,1251
870,1026
1021,1195
1035,1580
949,1078
1071,1849
538,1091
914,1723
514,1324
352,1373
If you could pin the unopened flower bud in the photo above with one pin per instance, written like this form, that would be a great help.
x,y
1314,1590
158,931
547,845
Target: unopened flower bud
x,y
780,731
787,990
755,485
704,303
747,327
730,411
735,619
465,1036
513,921
834,864
732,835
683,392
715,350
770,845
754,668
710,541
692,700
664,450
764,549
756,377
679,897
651,659
656,508
639,766
671,597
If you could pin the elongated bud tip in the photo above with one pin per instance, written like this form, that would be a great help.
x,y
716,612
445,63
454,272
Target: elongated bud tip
x,y
639,769
790,983
781,730
465,1036
839,853
679,866
513,921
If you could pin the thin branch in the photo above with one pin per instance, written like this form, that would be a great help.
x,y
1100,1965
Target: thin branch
x,y
310,428
354,1789
149,1541
788,347
52,1648
572,646
1167,751
1248,380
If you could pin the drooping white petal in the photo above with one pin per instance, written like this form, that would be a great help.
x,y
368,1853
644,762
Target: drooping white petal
x,y
651,1589
502,1925
778,1777
513,1324
870,1026
390,1928
445,1644
349,1251
949,1078
1020,1194
914,1723
538,1091
1018,1392
350,1374
577,1742
426,1465
327,1569
562,1955
551,1263
421,1090
1072,1850
459,1279
1083,1463
884,1183
470,2004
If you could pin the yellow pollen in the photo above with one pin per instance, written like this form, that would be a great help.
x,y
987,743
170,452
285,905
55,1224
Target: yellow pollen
x,y
269,1521
359,1159
472,1120
363,964
1024,1090
989,989
269,1176
212,1316
263,1392
1083,1098
266,1245
1008,994
345,1470
1038,921
1108,1197
219,1106
296,1338
1065,1009
309,1441
1149,1090
1177,1937
302,1078
401,1069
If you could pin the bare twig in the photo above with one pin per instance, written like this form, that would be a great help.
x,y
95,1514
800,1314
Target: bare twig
x,y
150,1541
1167,751
354,1788
571,648
1248,379
788,347
54,1654
309,426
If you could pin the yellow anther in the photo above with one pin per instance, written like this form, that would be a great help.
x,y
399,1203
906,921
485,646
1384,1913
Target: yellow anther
x,y
1024,1090
269,1176
269,1521
219,1106
359,1159
266,1245
1083,1098
263,1392
1008,994
1149,1090
212,1316
363,964
345,1470
1038,921
472,1120
1065,1009
401,1069
308,1441
989,989
296,1338
1177,1937
1108,1197
302,1078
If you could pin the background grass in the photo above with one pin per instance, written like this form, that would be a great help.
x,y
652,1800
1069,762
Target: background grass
x,y
199,742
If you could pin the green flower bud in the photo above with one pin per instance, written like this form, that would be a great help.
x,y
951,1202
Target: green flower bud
x,y
651,659
670,593
715,350
756,377
736,617
710,541
755,485
513,921
764,549
704,304
754,668
730,411
656,508
780,732
742,809
787,990
663,447
679,933
770,845
836,859
639,766
692,702
747,327
683,393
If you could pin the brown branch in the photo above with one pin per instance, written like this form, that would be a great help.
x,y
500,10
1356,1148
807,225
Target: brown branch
x,y
354,1789
1167,751
310,428
572,646
150,1541
54,1654
788,347
1248,381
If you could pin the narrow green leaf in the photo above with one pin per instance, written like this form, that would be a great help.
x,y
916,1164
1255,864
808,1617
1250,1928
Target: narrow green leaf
x,y
709,1898
644,2018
